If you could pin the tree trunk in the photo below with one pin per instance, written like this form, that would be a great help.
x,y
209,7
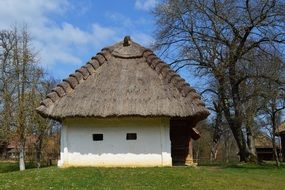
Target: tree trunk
x,y
234,120
38,144
226,150
273,120
276,156
214,152
22,156
198,154
250,138
244,152
251,147
21,87
217,132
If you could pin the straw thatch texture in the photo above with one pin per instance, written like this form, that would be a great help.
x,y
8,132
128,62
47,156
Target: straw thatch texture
x,y
123,80
263,141
281,129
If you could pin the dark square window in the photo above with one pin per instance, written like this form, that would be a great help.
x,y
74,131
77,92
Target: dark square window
x,y
97,137
131,136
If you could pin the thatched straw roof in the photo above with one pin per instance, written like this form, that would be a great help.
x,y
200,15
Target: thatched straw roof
x,y
281,129
263,141
125,79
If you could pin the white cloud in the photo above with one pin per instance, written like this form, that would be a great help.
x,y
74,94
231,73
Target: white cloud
x,y
144,39
61,42
56,42
51,40
28,11
145,5
132,27
101,35
120,19
67,43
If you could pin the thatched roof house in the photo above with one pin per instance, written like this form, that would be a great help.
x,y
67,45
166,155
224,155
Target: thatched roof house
x,y
264,147
124,84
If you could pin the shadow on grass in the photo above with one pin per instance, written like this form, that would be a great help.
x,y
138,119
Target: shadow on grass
x,y
262,165
6,167
238,165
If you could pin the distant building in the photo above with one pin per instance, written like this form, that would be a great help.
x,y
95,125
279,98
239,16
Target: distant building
x,y
281,132
9,149
125,107
264,148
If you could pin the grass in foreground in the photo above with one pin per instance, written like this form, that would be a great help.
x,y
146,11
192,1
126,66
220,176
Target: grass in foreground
x,y
236,177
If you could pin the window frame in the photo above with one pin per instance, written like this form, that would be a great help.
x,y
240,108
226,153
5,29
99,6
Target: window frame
x,y
98,136
131,136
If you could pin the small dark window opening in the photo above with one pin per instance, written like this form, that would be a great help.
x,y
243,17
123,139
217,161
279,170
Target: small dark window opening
x,y
97,137
131,136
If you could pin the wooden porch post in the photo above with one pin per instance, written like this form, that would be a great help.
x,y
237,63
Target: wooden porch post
x,y
189,158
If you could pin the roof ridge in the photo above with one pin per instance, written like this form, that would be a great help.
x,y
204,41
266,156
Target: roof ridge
x,y
171,76
69,84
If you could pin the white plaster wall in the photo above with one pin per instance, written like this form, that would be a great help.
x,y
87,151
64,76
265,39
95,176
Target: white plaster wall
x,y
152,147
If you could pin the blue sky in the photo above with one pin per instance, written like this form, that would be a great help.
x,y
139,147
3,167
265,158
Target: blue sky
x,y
68,32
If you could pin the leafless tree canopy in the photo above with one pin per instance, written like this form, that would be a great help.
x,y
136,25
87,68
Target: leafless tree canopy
x,y
237,44
212,32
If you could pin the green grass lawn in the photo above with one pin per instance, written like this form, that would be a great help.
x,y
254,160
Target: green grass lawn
x,y
243,177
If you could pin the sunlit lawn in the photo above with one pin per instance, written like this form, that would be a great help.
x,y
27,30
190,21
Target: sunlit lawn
x,y
243,177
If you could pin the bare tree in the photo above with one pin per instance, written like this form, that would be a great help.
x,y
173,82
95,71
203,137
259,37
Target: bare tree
x,y
40,125
217,123
272,111
24,60
214,37
217,126
18,70
7,40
